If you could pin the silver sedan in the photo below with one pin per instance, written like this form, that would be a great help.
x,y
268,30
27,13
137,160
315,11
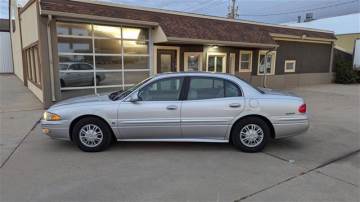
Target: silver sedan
x,y
179,107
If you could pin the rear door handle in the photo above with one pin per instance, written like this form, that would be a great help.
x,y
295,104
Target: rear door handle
x,y
235,105
171,107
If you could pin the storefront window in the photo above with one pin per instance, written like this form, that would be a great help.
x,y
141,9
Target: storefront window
x,y
97,58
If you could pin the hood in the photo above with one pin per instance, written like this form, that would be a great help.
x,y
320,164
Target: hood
x,y
83,100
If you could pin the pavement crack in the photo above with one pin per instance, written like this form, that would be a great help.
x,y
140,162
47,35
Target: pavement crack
x,y
300,174
336,178
18,145
277,157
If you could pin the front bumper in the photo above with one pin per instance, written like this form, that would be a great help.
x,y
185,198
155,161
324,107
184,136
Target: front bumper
x,y
290,127
56,129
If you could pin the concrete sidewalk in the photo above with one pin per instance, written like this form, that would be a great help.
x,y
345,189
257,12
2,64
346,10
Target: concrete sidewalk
x,y
19,112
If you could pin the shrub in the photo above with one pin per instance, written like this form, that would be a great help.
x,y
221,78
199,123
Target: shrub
x,y
344,73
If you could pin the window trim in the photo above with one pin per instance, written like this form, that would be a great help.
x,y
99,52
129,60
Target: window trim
x,y
186,56
273,62
166,78
250,60
187,81
232,63
216,54
291,70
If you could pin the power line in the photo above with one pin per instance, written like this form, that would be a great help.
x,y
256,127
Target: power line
x,y
300,11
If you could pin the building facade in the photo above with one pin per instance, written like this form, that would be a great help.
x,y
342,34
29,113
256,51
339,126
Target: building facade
x,y
6,65
71,48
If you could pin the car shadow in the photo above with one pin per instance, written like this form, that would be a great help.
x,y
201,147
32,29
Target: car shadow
x,y
171,146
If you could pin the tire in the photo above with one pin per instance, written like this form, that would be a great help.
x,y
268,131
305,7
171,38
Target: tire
x,y
97,80
62,83
92,142
244,137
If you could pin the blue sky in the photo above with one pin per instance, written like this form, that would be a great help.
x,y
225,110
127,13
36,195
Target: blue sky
x,y
271,11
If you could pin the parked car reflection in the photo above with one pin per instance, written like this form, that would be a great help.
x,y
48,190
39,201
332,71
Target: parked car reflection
x,y
75,77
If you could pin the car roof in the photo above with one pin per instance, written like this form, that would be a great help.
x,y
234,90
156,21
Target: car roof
x,y
209,74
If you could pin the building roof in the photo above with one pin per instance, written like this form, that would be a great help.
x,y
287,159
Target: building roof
x,y
184,25
4,25
345,24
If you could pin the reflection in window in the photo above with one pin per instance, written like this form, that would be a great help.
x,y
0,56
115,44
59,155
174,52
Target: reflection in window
x,y
193,61
206,88
108,78
108,63
108,46
65,60
82,66
135,33
216,63
162,90
135,47
107,31
136,62
74,29
135,77
73,45
245,61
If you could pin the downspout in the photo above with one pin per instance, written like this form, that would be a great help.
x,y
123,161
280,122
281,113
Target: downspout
x,y
51,65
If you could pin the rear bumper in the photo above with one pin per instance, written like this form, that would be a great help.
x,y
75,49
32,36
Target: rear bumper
x,y
288,128
56,129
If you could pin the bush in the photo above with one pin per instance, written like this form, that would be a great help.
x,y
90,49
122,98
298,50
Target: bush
x,y
345,74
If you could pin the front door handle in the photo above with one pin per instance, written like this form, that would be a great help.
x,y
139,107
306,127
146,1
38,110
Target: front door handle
x,y
235,105
171,107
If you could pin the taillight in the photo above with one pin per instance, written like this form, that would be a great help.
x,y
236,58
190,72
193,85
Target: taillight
x,y
302,108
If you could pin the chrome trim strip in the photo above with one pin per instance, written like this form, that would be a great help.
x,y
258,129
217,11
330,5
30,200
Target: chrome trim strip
x,y
175,140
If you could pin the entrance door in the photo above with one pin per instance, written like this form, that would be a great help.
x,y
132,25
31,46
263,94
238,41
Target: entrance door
x,y
166,61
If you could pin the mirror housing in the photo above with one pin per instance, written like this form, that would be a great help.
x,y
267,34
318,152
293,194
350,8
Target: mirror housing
x,y
134,98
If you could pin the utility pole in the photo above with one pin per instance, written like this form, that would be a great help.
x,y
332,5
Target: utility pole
x,y
233,12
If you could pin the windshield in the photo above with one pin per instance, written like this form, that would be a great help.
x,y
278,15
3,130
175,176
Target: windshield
x,y
122,94
256,88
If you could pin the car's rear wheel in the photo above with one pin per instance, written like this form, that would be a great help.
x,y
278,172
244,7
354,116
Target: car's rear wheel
x,y
250,134
92,134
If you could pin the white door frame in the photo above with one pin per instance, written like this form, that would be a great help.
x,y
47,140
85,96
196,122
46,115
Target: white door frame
x,y
176,48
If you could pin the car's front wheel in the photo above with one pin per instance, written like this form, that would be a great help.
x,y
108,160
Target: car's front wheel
x,y
250,134
92,134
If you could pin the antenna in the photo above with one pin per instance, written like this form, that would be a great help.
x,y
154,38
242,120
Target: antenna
x,y
233,10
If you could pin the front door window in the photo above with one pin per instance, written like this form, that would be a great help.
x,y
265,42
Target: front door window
x,y
166,61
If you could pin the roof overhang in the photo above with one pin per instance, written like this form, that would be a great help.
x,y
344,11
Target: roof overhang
x,y
303,38
75,16
219,43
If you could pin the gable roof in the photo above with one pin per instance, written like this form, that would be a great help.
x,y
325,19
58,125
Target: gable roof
x,y
345,24
183,25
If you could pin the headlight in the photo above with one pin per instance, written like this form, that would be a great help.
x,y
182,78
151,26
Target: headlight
x,y
47,116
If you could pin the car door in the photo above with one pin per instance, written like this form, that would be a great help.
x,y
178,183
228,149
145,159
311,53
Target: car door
x,y
210,107
157,113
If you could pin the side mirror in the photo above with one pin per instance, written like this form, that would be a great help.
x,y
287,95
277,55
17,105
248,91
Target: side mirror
x,y
134,98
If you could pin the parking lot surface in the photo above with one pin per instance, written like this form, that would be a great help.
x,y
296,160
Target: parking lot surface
x,y
321,165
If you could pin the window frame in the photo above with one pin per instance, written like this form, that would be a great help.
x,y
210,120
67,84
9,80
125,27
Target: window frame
x,y
187,87
216,54
291,70
33,64
182,88
122,66
273,63
250,60
186,59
